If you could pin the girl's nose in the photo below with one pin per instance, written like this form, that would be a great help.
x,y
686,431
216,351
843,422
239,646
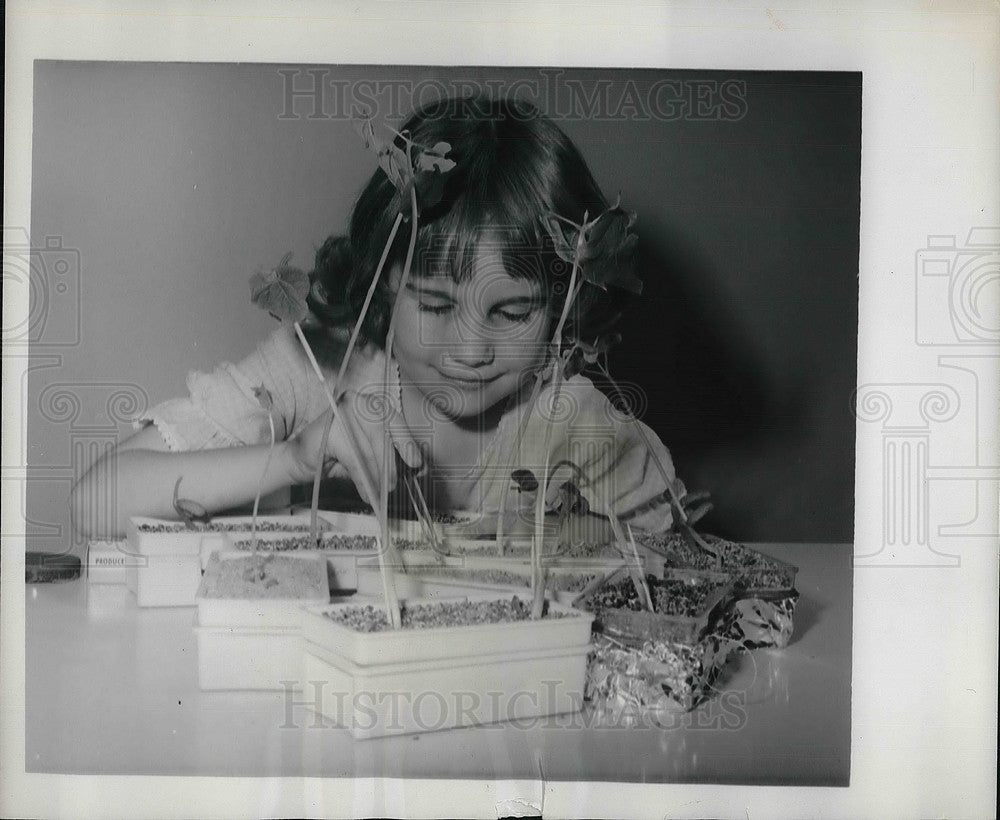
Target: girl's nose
x,y
472,353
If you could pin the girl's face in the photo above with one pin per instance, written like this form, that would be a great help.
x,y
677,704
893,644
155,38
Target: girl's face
x,y
465,346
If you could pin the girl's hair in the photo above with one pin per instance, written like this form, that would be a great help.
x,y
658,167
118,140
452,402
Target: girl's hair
x,y
512,165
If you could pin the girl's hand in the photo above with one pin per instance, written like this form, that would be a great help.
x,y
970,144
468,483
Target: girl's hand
x,y
356,444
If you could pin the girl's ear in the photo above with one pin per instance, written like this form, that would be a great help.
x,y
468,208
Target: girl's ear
x,y
393,276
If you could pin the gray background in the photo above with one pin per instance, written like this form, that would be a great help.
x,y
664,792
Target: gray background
x,y
167,185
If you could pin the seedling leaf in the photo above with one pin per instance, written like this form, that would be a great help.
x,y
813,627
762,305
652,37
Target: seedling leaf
x,y
605,248
191,512
281,292
264,398
413,167
525,480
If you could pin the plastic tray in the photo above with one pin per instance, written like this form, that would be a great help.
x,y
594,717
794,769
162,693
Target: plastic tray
x,y
164,579
247,658
261,612
108,561
750,580
422,581
634,628
464,642
393,698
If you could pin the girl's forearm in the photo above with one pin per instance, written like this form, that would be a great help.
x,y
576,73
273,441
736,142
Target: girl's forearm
x,y
141,482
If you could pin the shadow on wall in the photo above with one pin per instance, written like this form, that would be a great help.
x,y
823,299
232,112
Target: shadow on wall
x,y
714,400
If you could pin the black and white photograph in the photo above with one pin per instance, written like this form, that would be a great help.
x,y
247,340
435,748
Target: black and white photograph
x,y
398,422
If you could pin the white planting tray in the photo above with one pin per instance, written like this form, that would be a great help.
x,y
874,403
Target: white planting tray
x,y
259,613
411,645
247,658
417,680
254,643
423,696
419,580
165,567
164,580
108,561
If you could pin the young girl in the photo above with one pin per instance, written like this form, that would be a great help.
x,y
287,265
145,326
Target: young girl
x,y
473,329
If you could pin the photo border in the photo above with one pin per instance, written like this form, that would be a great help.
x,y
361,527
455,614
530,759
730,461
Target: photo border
x,y
929,168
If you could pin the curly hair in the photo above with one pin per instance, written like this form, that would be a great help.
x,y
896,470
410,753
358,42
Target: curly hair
x,y
512,165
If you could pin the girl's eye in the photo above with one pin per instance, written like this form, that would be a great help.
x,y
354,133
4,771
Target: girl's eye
x,y
515,316
437,310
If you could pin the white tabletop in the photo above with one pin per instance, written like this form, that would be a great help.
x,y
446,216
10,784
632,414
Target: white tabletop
x,y
112,689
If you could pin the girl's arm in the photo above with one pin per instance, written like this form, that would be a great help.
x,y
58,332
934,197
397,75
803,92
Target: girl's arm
x,y
214,438
138,478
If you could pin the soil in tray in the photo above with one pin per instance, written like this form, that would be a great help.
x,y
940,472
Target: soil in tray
x,y
446,613
228,526
467,547
261,576
330,541
488,547
747,567
582,550
687,598
562,581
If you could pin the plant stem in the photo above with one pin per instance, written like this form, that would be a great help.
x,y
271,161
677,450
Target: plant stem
x,y
388,582
597,583
317,479
636,573
645,439
638,564
260,483
537,582
572,290
339,385
315,366
363,477
538,542
512,457
424,515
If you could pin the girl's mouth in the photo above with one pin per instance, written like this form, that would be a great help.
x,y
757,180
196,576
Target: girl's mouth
x,y
467,379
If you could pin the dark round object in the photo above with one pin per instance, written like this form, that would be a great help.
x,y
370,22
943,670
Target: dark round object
x,y
44,567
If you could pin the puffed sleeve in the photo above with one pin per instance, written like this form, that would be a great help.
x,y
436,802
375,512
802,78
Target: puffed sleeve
x,y
617,462
221,409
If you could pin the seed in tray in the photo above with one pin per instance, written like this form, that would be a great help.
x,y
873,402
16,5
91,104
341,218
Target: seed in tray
x,y
306,542
261,576
430,616
563,581
447,518
670,597
746,566
229,526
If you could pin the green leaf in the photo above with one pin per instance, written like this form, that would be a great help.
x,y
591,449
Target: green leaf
x,y
264,398
525,480
281,292
435,159
604,248
424,169
581,354
188,510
